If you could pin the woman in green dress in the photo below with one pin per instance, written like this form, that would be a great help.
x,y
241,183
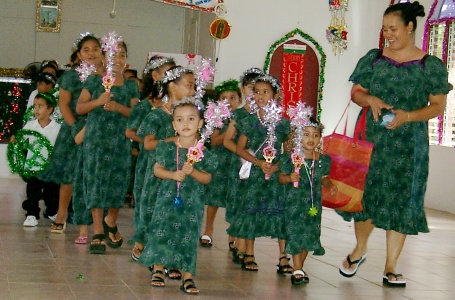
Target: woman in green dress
x,y
261,211
179,207
107,151
411,86
154,73
217,189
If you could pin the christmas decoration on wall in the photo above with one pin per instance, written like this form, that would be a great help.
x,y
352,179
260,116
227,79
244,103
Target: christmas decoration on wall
x,y
14,94
337,33
220,28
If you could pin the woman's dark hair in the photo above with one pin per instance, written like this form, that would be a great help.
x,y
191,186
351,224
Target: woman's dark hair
x,y
408,12
148,81
123,44
161,88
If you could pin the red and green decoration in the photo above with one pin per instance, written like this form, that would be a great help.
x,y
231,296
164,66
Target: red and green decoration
x,y
304,61
28,141
13,103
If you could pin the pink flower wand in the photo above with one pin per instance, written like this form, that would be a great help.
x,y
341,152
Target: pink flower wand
x,y
269,153
297,161
110,47
214,116
204,74
85,69
273,114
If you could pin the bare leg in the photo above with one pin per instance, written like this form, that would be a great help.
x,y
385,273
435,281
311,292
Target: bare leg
x,y
65,193
210,219
83,230
395,243
191,290
249,254
282,257
158,276
97,215
299,260
362,233
111,221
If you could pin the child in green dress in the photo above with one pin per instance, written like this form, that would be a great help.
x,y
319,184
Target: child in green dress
x,y
218,188
303,202
179,207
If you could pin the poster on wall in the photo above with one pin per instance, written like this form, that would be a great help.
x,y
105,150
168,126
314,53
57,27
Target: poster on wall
x,y
48,15
204,5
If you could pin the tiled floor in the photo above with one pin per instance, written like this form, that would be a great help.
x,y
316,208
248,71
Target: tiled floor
x,y
35,264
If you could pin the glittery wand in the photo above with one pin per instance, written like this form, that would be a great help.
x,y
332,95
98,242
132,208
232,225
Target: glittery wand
x,y
110,47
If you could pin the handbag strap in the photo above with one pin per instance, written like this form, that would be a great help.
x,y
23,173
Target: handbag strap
x,y
342,116
260,146
361,126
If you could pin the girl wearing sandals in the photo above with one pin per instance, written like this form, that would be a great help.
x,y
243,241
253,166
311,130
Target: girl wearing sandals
x,y
237,247
154,71
303,203
177,83
218,187
179,207
107,155
261,210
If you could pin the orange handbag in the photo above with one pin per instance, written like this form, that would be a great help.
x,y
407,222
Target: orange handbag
x,y
350,163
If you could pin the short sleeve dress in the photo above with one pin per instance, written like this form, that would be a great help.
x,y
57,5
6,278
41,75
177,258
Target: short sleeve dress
x,y
261,207
107,151
175,230
232,199
62,164
157,123
303,231
398,173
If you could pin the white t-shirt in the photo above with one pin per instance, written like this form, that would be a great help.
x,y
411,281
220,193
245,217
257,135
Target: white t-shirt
x,y
50,132
31,98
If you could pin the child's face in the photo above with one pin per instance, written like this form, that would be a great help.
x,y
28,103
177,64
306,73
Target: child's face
x,y
247,90
90,52
311,138
40,109
43,87
119,60
186,121
183,87
232,97
263,92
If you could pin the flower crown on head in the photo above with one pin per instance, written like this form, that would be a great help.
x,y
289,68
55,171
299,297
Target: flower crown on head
x,y
251,71
175,73
227,85
157,63
269,79
48,97
81,36
191,100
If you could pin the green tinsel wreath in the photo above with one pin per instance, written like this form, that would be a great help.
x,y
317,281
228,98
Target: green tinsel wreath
x,y
16,153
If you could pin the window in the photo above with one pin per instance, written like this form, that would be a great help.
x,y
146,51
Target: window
x,y
439,40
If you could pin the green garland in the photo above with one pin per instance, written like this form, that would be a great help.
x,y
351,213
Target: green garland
x,y
28,116
318,48
16,153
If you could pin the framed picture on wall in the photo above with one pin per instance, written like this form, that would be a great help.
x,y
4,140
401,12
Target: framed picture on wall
x,y
48,15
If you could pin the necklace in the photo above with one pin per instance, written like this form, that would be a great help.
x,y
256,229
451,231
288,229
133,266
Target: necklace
x,y
178,201
260,118
165,109
313,211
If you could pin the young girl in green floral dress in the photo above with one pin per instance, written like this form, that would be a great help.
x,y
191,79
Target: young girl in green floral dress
x,y
179,206
217,189
154,73
261,209
177,83
230,142
106,149
303,228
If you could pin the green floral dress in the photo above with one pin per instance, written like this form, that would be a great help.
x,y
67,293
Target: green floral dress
x,y
233,200
397,177
261,208
303,231
63,160
216,190
159,124
107,151
173,240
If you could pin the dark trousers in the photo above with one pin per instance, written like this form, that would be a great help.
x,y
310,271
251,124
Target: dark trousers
x,y
37,190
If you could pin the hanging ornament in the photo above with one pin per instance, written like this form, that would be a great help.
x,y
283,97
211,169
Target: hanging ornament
x,y
337,33
220,28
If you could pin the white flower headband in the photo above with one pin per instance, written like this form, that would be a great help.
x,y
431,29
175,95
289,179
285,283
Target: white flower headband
x,y
175,73
271,80
157,63
81,36
250,71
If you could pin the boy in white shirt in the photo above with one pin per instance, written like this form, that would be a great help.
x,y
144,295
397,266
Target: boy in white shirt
x,y
44,105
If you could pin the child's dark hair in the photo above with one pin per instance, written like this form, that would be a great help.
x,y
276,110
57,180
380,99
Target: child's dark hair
x,y
155,63
316,124
48,78
188,103
132,71
49,98
408,12
49,64
250,75
88,37
174,74
274,83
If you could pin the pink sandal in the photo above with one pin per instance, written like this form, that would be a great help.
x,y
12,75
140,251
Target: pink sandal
x,y
81,240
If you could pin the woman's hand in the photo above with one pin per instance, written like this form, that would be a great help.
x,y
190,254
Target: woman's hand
x,y
400,118
376,105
